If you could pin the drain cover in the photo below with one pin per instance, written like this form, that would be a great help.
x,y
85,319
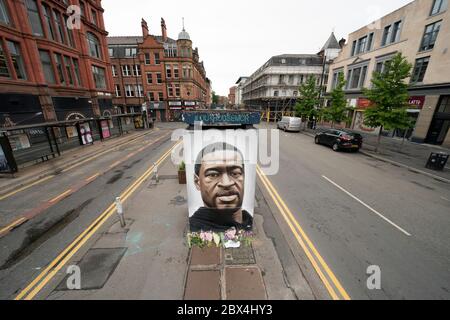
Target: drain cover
x,y
96,267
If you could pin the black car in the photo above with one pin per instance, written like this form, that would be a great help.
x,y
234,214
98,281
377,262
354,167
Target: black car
x,y
339,139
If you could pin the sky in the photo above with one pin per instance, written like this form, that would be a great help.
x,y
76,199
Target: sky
x,y
236,37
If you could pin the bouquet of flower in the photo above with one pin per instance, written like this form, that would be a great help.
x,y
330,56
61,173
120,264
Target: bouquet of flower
x,y
231,238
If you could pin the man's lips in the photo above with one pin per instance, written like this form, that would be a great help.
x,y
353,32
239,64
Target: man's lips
x,y
228,199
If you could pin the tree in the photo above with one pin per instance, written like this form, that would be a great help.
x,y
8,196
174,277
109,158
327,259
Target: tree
x,y
389,97
337,111
215,98
308,99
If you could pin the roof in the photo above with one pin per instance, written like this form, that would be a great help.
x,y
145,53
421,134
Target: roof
x,y
294,60
331,43
124,40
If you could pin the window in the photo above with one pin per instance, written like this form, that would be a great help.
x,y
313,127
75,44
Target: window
x,y
94,46
99,77
387,33
111,52
137,70
157,61
76,68
295,93
177,90
94,17
361,45
176,73
438,7
59,68
149,78
356,77
158,77
353,48
130,52
33,17
47,66
139,90
126,71
169,90
391,33
160,96
48,22
301,78
147,58
129,92
117,89
381,65
16,57
370,42
291,79
59,26
275,93
4,70
430,36
68,65
444,105
336,77
419,69
168,72
151,97
114,70
4,15
83,9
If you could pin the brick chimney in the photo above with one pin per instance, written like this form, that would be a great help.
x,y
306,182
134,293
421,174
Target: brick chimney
x,y
144,28
163,29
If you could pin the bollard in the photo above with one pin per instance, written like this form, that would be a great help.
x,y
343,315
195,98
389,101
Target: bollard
x,y
155,171
119,209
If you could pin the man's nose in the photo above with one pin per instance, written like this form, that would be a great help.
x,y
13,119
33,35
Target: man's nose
x,y
226,181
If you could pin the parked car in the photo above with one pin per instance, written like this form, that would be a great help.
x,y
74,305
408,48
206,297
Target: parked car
x,y
289,124
339,139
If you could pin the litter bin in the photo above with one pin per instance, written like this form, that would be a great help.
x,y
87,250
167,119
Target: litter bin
x,y
437,161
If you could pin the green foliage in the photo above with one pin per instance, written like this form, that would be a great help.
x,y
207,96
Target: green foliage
x,y
337,111
182,166
215,98
308,99
389,96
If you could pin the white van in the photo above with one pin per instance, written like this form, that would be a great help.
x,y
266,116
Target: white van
x,y
289,124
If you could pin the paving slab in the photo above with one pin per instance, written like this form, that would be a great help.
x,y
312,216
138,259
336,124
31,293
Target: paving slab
x,y
203,285
210,256
244,283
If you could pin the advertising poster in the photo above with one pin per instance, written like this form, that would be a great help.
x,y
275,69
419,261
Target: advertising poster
x,y
138,123
4,167
221,177
86,134
105,129
71,132
19,142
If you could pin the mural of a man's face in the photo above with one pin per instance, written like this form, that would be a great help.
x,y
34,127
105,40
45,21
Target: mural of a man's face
x,y
220,179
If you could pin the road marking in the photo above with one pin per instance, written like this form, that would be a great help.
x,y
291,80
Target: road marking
x,y
367,206
115,164
13,225
93,177
25,187
311,252
50,271
61,195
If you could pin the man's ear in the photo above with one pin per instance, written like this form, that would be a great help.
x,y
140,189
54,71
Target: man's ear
x,y
197,182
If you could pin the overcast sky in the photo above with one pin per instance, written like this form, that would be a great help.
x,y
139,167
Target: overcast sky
x,y
235,37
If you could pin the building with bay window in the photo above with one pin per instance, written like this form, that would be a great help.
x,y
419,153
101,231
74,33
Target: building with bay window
x,y
420,31
54,64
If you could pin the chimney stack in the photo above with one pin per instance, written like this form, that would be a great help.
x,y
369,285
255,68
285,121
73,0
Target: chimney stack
x,y
342,42
144,28
163,29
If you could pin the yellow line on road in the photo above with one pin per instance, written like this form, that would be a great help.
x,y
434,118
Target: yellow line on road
x,y
12,225
61,195
92,177
311,252
25,187
49,272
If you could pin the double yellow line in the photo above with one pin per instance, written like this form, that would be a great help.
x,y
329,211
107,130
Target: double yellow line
x,y
332,284
50,271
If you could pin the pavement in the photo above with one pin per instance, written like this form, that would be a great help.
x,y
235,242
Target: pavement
x,y
399,152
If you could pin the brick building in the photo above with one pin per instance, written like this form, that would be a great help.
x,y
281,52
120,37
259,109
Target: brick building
x,y
48,69
164,73
232,96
